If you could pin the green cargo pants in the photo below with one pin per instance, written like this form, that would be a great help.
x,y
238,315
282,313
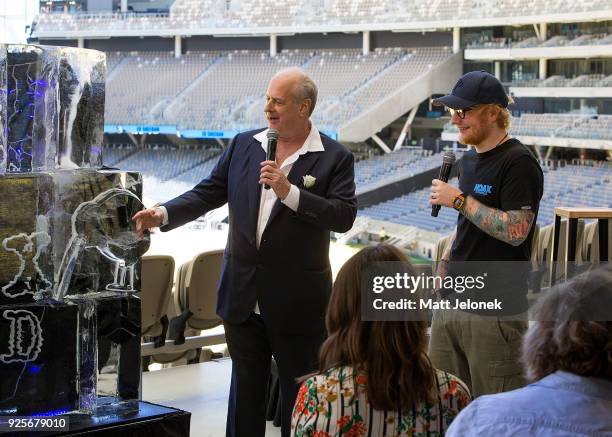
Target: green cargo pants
x,y
482,351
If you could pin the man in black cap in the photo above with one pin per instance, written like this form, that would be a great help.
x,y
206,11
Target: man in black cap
x,y
500,186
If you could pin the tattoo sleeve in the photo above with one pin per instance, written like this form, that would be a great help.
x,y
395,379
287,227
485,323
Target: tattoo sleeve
x,y
511,227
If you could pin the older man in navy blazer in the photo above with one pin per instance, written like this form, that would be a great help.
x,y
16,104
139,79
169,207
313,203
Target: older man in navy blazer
x,y
276,277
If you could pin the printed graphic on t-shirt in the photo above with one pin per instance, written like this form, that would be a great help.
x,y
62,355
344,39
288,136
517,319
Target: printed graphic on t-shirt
x,y
483,189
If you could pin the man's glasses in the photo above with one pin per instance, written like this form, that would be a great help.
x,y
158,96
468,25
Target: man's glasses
x,y
460,112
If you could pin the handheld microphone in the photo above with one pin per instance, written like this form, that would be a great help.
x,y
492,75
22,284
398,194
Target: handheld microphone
x,y
448,159
271,151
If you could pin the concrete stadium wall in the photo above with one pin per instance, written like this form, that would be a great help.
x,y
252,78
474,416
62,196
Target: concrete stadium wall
x,y
320,41
131,44
59,42
355,40
400,188
196,43
299,41
411,39
527,104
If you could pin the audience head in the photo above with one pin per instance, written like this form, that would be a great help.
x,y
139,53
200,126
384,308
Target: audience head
x,y
573,329
392,355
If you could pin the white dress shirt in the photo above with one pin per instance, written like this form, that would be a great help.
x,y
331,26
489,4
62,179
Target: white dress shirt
x,y
268,197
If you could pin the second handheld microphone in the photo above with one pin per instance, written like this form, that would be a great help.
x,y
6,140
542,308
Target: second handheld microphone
x,y
448,159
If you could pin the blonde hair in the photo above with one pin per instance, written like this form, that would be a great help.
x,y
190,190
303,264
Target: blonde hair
x,y
504,117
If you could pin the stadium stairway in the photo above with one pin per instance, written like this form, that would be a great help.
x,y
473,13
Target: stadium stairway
x,y
112,73
438,79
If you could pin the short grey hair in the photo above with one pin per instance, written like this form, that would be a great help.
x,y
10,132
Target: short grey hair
x,y
305,87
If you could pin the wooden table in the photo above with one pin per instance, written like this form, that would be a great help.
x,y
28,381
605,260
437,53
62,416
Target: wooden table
x,y
573,214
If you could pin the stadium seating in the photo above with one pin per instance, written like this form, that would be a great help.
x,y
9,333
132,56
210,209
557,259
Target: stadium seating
x,y
564,125
198,14
411,210
583,80
542,124
164,167
102,21
412,64
196,174
191,165
179,169
486,42
147,80
114,154
587,126
594,127
113,59
185,164
207,90
384,169
575,185
222,99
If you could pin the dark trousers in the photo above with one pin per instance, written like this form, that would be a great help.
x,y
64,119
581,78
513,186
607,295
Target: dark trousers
x,y
251,346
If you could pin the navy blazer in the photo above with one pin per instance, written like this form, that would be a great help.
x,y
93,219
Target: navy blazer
x,y
289,276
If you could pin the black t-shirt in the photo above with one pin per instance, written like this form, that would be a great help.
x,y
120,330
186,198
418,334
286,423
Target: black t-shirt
x,y
507,177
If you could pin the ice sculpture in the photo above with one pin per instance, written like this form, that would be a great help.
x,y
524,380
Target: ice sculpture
x,y
22,246
100,225
54,107
28,91
3,95
32,337
46,218
69,254
81,117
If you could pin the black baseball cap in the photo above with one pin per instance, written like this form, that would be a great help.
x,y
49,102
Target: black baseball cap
x,y
475,88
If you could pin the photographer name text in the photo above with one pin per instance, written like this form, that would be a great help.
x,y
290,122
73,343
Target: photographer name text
x,y
432,304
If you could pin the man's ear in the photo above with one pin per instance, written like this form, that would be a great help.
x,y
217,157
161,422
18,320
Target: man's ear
x,y
494,111
305,107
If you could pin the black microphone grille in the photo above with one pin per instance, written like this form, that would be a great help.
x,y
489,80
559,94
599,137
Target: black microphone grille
x,y
448,158
273,135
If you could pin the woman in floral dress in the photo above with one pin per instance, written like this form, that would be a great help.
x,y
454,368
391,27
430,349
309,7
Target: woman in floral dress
x,y
375,377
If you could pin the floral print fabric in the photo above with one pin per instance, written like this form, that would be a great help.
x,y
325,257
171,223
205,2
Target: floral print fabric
x,y
326,406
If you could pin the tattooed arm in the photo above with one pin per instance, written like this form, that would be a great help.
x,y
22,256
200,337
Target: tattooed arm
x,y
511,227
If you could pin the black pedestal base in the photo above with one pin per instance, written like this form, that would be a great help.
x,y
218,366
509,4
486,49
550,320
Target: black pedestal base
x,y
150,420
